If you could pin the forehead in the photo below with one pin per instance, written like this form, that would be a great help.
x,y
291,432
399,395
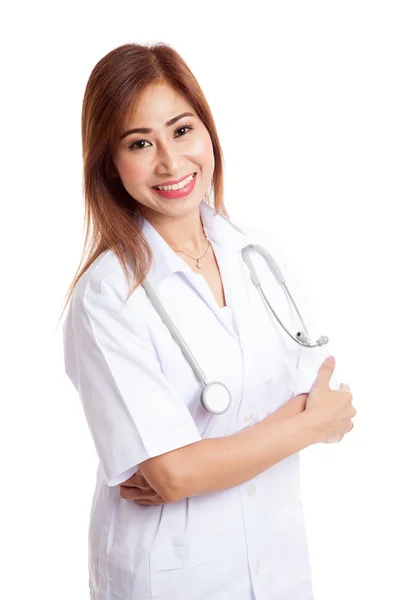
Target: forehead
x,y
157,103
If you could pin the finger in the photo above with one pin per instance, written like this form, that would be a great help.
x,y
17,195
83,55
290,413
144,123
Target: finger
x,y
133,493
140,497
345,386
138,481
325,372
151,502
143,487
150,495
134,479
139,476
137,485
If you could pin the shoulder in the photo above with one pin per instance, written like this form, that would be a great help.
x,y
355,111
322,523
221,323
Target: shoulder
x,y
104,286
105,272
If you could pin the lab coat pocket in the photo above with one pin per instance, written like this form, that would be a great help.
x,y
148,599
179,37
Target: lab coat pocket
x,y
277,386
287,556
213,569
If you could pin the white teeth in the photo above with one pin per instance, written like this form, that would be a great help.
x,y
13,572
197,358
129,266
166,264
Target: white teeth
x,y
177,186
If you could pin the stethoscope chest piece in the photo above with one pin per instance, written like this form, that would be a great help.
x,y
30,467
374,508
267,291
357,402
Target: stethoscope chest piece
x,y
216,397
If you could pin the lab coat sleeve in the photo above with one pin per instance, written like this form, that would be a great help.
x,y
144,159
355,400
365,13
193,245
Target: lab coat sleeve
x,y
132,412
310,359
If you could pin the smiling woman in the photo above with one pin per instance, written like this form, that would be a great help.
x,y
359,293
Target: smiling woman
x,y
151,153
135,91
188,504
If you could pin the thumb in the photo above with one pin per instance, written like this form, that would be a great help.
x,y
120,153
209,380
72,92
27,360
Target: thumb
x,y
325,372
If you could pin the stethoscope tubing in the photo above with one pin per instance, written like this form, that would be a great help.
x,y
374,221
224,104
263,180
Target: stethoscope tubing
x,y
301,337
174,332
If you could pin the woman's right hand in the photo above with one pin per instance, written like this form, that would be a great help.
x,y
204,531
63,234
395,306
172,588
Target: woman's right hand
x,y
330,410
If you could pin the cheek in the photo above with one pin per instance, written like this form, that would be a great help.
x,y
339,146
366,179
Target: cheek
x,y
132,173
201,150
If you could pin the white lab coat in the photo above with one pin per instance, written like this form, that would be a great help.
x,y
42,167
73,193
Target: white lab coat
x,y
141,399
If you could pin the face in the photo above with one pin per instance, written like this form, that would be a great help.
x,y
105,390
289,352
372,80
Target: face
x,y
172,152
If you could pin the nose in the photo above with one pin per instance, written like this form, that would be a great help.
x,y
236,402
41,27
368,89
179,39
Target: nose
x,y
168,160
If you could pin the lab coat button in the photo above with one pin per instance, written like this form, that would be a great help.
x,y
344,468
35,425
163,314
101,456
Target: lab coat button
x,y
251,489
257,568
248,417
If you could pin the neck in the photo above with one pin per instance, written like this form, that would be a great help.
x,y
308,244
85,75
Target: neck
x,y
181,233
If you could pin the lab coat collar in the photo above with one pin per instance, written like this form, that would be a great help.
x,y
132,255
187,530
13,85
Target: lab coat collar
x,y
166,261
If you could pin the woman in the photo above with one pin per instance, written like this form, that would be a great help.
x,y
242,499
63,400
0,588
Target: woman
x,y
188,504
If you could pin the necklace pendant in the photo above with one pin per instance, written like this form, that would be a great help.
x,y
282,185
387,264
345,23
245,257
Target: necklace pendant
x,y
199,264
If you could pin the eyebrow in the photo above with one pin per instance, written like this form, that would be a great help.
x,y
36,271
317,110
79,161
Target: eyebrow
x,y
148,130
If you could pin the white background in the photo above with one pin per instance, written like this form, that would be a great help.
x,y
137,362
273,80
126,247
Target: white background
x,y
306,100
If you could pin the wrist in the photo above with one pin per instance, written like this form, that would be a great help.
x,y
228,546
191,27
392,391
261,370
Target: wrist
x,y
292,407
314,431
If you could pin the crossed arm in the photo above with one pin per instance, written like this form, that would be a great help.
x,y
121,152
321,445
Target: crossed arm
x,y
138,489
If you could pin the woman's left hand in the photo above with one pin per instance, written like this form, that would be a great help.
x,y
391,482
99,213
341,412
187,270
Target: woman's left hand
x,y
138,490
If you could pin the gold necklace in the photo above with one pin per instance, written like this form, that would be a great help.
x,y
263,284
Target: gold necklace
x,y
199,264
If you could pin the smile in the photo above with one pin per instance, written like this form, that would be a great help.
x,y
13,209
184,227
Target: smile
x,y
177,191
176,186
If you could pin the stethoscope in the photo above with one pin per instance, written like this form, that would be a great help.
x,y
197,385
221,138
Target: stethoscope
x,y
216,397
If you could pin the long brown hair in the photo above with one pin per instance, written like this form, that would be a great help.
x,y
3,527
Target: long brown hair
x,y
112,218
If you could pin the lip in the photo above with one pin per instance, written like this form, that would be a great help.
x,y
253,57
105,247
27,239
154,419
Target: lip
x,y
174,181
177,194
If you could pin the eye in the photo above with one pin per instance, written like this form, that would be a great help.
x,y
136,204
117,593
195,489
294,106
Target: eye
x,y
134,145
